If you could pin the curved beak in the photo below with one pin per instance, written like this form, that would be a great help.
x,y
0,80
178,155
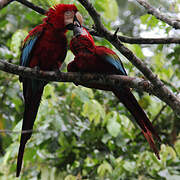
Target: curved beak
x,y
72,21
78,19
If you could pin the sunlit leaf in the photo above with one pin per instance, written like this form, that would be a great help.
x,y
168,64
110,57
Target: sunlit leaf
x,y
166,153
104,169
177,147
113,126
111,6
70,177
94,111
17,40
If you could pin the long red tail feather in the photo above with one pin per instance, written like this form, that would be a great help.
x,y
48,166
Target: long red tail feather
x,y
149,138
130,102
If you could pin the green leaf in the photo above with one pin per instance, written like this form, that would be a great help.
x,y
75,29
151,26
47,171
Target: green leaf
x,y
177,146
104,169
17,40
48,91
89,162
113,126
129,166
100,5
63,141
70,177
145,18
166,153
94,111
106,138
83,94
149,20
168,176
3,23
107,6
153,21
111,10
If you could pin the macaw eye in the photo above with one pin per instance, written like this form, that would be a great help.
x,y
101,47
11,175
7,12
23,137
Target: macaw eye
x,y
68,17
68,13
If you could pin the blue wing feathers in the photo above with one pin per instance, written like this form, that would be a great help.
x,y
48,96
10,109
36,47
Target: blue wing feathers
x,y
116,63
35,85
27,50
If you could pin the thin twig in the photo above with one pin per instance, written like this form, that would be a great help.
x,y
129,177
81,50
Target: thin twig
x,y
159,113
159,15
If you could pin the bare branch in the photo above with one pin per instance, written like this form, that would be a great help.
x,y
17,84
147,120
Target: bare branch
x,y
159,113
88,80
158,15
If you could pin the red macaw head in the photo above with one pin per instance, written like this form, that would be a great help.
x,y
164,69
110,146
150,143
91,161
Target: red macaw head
x,y
82,41
60,15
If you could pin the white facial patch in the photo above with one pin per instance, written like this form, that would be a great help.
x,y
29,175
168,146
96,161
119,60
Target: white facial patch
x,y
68,17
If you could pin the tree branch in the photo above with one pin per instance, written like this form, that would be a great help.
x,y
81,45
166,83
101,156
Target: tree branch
x,y
88,80
32,6
78,78
158,15
140,40
125,39
161,91
157,87
159,113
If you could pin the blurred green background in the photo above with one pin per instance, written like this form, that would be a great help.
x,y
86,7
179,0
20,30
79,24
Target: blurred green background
x,y
83,133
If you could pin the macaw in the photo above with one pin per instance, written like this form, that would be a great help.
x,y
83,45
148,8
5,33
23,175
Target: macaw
x,y
99,59
44,48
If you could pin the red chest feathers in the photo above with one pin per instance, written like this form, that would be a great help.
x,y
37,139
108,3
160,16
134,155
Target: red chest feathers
x,y
50,50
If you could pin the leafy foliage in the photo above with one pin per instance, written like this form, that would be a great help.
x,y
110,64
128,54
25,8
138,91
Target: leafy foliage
x,y
83,133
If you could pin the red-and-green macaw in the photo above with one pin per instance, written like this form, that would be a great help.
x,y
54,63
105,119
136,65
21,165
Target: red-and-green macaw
x,y
44,48
99,59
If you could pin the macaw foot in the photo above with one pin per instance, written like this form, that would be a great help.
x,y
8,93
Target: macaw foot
x,y
37,68
58,72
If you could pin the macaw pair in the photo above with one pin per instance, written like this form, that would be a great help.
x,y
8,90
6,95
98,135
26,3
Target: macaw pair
x,y
45,48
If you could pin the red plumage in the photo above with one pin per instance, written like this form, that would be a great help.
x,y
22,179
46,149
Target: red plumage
x,y
99,59
45,47
51,48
